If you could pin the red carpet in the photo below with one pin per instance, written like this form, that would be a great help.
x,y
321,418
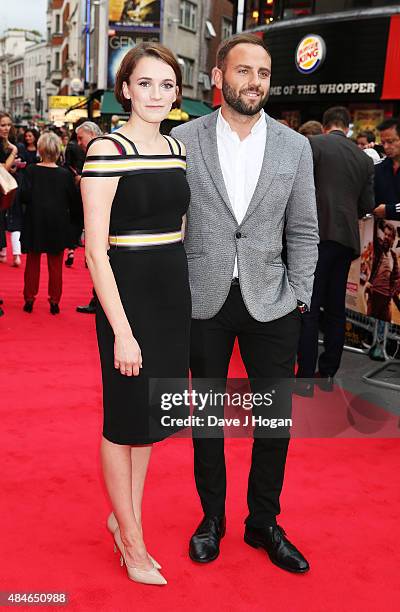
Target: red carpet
x,y
340,501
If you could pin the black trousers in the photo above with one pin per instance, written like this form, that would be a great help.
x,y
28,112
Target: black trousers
x,y
329,292
268,350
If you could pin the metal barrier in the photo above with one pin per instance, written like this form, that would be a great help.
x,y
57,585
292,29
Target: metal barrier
x,y
367,323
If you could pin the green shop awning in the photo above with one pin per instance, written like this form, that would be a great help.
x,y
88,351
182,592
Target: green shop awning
x,y
194,108
110,106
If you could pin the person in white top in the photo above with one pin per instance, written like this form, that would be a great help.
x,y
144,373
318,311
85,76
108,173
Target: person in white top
x,y
241,162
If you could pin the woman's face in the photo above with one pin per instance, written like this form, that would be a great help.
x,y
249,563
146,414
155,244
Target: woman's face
x,y
152,89
5,127
29,138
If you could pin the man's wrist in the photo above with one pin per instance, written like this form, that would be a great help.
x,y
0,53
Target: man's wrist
x,y
302,307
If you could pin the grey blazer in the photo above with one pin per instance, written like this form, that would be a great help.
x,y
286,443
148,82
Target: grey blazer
x,y
283,205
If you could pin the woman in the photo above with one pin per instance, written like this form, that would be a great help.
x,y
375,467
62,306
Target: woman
x,y
29,152
49,194
8,158
135,196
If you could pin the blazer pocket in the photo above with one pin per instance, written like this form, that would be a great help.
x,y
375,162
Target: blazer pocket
x,y
194,255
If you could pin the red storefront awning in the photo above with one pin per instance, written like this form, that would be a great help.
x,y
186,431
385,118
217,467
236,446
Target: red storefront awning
x,y
391,81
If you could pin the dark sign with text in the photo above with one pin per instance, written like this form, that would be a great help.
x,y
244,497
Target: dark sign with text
x,y
353,66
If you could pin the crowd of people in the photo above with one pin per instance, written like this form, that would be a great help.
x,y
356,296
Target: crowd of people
x,y
46,215
270,233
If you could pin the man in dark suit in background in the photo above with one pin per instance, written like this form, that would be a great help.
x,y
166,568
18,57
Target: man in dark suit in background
x,y
344,178
387,173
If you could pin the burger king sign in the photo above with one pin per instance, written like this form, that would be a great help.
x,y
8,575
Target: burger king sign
x,y
310,53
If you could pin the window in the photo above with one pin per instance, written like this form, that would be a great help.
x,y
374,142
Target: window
x,y
297,8
57,60
187,67
48,69
226,28
188,15
57,23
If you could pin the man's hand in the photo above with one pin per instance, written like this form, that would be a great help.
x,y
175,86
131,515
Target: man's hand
x,y
380,211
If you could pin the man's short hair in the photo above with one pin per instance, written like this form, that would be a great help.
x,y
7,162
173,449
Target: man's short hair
x,y
389,123
370,136
91,127
336,116
311,128
237,39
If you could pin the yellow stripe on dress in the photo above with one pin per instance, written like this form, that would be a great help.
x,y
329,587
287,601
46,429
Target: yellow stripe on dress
x,y
174,145
125,143
145,239
115,165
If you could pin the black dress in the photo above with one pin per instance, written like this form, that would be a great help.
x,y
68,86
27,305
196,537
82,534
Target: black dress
x,y
49,195
152,280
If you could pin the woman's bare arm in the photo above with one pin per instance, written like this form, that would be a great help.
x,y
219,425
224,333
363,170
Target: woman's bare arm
x,y
97,195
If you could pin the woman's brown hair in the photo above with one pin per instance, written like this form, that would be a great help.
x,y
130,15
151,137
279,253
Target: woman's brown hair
x,y
131,60
2,140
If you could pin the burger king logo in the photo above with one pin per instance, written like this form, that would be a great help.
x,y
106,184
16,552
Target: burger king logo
x,y
310,54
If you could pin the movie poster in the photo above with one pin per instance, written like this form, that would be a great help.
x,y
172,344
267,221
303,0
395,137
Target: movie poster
x,y
119,44
373,285
135,13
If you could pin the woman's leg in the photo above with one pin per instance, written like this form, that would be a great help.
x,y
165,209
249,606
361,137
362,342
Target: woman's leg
x,y
16,248
54,264
140,456
117,470
15,243
31,276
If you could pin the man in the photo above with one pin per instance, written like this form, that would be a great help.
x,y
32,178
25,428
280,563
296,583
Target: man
x,y
383,284
85,133
387,175
344,186
251,181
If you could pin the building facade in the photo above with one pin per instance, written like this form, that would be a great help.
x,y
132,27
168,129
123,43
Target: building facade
x,y
35,74
16,88
13,44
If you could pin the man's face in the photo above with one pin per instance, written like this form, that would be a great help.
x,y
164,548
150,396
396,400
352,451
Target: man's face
x,y
391,143
388,239
245,80
83,139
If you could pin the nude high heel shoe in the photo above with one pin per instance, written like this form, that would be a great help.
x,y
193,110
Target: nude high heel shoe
x,y
151,576
112,526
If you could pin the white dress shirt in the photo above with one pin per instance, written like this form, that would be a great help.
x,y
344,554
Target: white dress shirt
x,y
240,162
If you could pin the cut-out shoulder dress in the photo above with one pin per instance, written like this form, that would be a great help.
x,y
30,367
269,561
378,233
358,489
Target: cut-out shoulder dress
x,y
152,280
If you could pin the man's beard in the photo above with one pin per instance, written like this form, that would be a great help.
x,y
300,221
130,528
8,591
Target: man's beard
x,y
237,103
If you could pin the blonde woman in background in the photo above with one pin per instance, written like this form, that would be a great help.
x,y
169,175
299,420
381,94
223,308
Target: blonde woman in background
x,y
49,194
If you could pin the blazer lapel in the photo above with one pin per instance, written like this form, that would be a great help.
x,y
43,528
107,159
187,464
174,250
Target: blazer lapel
x,y
209,149
269,166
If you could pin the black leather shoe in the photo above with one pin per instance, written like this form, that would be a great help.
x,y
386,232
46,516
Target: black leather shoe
x,y
281,552
89,309
70,260
204,543
28,307
54,308
303,388
325,383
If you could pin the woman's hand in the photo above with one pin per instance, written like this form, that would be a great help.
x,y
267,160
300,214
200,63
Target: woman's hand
x,y
127,355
